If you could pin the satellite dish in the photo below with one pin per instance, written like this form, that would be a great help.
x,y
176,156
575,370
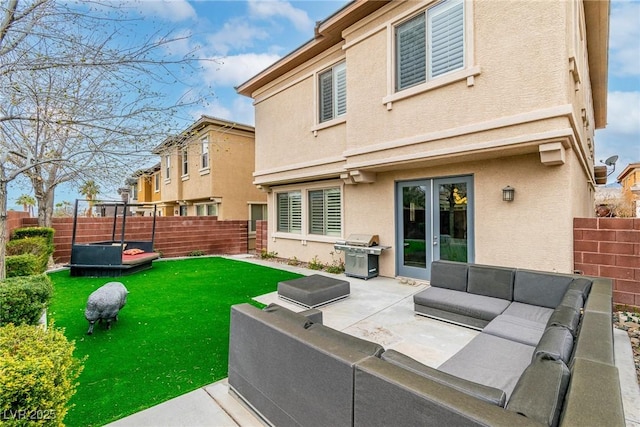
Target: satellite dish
x,y
611,161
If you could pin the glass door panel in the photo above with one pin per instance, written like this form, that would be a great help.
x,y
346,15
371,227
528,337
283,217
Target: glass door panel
x,y
414,237
413,233
452,237
453,221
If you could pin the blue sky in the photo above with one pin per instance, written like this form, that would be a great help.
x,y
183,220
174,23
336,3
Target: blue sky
x,y
245,37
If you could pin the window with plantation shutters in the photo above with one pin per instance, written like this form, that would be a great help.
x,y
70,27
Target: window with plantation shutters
x,y
411,50
325,212
446,42
332,90
430,44
289,212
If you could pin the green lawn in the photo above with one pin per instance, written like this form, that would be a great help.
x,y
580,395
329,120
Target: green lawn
x,y
172,336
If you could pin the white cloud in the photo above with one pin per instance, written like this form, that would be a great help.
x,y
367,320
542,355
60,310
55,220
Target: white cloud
x,y
240,111
623,113
621,137
278,8
235,34
236,69
171,10
624,38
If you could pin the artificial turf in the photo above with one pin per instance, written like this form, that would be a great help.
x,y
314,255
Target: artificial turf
x,y
172,336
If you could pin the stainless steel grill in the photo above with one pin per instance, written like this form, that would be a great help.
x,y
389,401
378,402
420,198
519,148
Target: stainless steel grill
x,y
361,253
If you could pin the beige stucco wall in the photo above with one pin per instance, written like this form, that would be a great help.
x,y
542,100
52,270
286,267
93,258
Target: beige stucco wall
x,y
231,175
518,93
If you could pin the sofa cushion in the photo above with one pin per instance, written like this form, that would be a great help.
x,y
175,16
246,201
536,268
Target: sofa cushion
x,y
488,394
463,303
539,288
573,298
581,284
534,313
566,317
495,282
515,329
540,391
449,275
490,360
556,343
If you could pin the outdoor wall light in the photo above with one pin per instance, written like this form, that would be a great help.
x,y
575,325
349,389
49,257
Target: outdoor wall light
x,y
508,193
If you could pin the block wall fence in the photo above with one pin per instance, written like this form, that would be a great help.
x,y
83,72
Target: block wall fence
x,y
261,235
175,236
605,247
610,247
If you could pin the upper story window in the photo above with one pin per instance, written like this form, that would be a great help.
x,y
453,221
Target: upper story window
x,y
204,157
332,85
325,212
156,182
290,212
430,44
167,166
185,161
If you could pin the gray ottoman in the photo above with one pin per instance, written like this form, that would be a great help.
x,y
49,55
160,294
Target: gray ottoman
x,y
313,291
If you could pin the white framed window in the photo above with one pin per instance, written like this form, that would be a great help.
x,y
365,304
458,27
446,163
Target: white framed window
x,y
207,209
185,161
289,208
430,44
204,157
332,92
156,182
325,212
167,166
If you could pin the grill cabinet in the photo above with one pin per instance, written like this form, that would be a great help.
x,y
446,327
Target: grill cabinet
x,y
361,252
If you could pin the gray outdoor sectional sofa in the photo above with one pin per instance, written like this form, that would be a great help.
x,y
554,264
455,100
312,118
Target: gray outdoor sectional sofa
x,y
544,357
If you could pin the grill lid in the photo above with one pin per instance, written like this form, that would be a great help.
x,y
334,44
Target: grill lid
x,y
363,240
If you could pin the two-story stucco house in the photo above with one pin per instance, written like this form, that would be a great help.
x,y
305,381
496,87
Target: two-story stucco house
x,y
207,171
629,178
144,189
408,119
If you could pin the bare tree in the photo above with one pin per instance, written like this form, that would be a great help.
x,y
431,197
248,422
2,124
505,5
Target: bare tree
x,y
79,97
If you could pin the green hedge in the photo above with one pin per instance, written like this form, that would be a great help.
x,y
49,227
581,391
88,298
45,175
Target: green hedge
x,y
39,375
22,265
36,246
22,233
22,299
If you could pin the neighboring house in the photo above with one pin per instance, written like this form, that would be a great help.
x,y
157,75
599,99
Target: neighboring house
x,y
630,181
207,171
145,189
408,119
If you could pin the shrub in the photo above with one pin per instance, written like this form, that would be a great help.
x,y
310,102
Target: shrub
x,y
197,252
38,246
22,265
336,266
22,299
46,232
264,254
315,263
38,375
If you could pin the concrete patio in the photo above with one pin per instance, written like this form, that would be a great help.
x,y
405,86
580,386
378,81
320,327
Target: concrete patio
x,y
379,310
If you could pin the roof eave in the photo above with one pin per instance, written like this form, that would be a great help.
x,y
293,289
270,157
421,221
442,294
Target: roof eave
x,y
597,28
327,34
